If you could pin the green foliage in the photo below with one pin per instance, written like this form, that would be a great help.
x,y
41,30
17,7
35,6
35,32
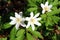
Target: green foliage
x,y
13,34
29,36
3,38
35,33
48,22
49,19
32,9
20,34
6,26
54,37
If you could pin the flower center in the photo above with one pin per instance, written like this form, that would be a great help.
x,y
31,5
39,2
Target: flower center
x,y
46,8
18,20
32,20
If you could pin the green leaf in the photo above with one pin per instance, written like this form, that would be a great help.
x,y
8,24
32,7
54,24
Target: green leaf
x,y
13,34
37,34
43,18
6,26
39,1
49,21
3,38
20,34
20,38
55,3
58,28
29,37
59,3
31,3
32,9
54,12
56,19
54,37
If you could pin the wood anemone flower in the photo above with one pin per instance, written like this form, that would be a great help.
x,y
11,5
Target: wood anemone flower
x,y
18,20
33,20
46,7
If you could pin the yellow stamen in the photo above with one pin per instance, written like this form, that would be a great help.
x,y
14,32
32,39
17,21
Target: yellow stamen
x,y
18,20
46,8
32,20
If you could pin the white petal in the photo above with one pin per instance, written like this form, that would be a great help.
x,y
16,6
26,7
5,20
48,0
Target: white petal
x,y
23,24
43,11
27,18
31,14
37,23
17,26
12,18
42,5
23,19
36,15
20,13
33,28
12,22
50,6
28,25
17,15
38,19
46,4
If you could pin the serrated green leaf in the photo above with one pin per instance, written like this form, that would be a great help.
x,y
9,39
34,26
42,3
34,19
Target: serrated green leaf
x,y
43,17
37,34
32,9
13,34
55,3
31,3
6,26
20,38
20,34
54,12
29,37
56,19
49,21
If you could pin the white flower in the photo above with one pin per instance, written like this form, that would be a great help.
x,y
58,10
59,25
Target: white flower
x,y
46,7
18,20
33,20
